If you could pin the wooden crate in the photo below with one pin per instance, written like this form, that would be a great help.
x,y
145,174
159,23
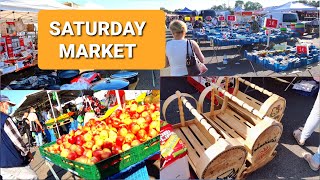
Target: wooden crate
x,y
210,155
273,106
260,134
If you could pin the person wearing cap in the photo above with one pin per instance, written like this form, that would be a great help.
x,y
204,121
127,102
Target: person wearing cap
x,y
15,157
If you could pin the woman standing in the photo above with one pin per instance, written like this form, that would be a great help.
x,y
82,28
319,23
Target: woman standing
x,y
176,49
35,126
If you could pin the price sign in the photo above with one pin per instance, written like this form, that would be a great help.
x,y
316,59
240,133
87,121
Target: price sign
x,y
231,18
271,23
246,13
302,50
221,18
198,18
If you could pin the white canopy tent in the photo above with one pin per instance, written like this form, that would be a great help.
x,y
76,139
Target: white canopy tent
x,y
27,10
295,6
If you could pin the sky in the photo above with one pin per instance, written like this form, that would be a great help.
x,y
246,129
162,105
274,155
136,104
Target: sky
x,y
168,4
16,96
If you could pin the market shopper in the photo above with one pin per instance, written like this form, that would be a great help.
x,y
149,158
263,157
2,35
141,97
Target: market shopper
x,y
27,128
35,126
214,21
176,49
255,25
14,154
197,24
302,134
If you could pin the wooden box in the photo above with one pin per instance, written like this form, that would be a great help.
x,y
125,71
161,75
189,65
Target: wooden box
x,y
259,133
210,155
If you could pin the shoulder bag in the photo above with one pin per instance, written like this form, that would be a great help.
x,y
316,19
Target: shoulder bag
x,y
194,66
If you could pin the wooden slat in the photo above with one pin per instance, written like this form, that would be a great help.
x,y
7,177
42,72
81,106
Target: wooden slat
x,y
243,112
191,152
241,119
193,140
205,132
239,127
187,123
199,134
251,101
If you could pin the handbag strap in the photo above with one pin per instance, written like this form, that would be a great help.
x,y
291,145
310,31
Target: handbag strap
x,y
191,47
187,47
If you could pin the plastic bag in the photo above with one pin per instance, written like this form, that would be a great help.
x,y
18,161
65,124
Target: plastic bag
x,y
306,86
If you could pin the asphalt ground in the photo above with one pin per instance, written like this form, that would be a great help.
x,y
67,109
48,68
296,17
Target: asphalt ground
x,y
145,77
239,66
288,163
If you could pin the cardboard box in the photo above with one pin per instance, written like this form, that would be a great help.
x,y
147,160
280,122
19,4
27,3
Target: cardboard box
x,y
179,169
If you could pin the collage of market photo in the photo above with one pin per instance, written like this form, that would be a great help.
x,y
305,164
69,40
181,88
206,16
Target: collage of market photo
x,y
238,98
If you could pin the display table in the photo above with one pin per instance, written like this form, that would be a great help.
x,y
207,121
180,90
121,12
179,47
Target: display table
x,y
285,60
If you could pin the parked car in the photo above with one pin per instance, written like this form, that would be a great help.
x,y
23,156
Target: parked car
x,y
285,18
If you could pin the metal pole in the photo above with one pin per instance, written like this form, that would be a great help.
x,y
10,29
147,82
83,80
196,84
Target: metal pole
x,y
118,99
58,101
54,116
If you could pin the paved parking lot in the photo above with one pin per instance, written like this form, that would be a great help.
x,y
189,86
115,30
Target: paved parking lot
x,y
239,66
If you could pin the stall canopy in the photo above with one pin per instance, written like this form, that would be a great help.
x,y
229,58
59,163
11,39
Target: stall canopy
x,y
238,9
40,99
185,11
295,6
27,10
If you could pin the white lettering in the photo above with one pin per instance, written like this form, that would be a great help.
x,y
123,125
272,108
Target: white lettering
x,y
103,27
82,51
57,30
67,29
130,49
141,27
114,26
94,28
106,50
117,49
65,53
128,29
94,50
79,26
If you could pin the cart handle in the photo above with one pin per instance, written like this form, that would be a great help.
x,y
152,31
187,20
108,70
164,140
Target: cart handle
x,y
198,116
258,88
238,101
169,100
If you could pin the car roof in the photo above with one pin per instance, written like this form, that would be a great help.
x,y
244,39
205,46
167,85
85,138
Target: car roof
x,y
281,13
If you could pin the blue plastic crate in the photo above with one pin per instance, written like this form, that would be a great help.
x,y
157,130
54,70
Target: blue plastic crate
x,y
134,172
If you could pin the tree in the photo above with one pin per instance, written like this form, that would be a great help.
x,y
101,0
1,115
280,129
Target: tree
x,y
221,7
165,10
249,6
239,3
312,3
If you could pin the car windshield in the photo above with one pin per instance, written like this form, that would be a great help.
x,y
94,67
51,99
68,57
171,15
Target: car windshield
x,y
289,18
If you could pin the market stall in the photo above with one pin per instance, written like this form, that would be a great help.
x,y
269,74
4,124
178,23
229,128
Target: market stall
x,y
73,80
285,58
112,145
18,20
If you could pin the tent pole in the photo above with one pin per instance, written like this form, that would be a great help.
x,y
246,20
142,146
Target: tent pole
x,y
54,116
118,99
